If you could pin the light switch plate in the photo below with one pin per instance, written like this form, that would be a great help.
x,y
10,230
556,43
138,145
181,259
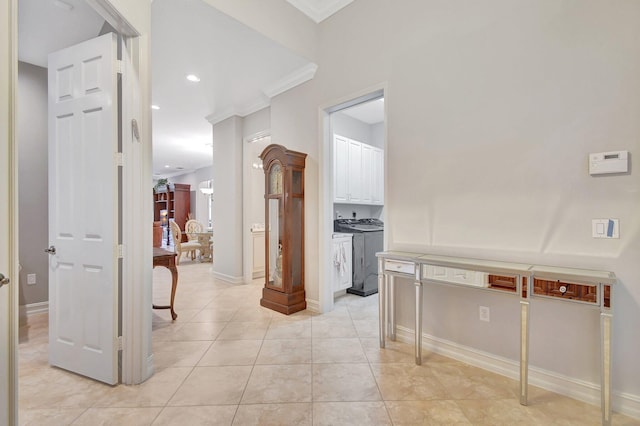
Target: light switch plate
x,y
31,279
605,228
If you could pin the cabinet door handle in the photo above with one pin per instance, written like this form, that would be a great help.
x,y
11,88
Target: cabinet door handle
x,y
51,250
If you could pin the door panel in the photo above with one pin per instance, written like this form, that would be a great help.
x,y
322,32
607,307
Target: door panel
x,y
83,219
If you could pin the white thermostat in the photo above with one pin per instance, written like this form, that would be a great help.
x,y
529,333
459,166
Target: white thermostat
x,y
603,163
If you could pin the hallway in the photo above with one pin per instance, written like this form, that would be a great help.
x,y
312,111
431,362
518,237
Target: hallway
x,y
228,361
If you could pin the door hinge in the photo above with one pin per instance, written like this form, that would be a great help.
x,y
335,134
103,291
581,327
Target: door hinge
x,y
119,67
119,159
119,251
120,344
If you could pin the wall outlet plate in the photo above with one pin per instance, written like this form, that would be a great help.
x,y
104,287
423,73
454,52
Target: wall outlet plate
x,y
484,313
31,279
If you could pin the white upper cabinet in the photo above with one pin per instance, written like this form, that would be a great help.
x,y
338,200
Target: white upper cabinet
x,y
354,175
358,172
367,175
377,173
340,169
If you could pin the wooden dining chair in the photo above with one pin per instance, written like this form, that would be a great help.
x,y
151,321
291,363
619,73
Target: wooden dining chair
x,y
182,247
192,228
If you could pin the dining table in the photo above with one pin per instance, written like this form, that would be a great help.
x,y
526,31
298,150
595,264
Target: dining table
x,y
206,244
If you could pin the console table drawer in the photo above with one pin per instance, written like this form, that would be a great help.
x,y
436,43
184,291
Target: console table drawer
x,y
400,267
564,290
454,275
502,282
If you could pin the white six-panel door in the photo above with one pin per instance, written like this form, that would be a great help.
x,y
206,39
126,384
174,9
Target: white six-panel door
x,y
83,209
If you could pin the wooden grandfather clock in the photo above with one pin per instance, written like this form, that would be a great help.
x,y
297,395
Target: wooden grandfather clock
x,y
284,234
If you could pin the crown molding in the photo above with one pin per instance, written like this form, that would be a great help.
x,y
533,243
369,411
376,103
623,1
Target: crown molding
x,y
317,12
241,111
294,79
215,118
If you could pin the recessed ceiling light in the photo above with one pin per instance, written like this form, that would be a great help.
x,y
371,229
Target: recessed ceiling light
x,y
194,78
155,107
167,166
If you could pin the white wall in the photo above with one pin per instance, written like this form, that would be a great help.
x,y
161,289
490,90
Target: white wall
x,y
193,178
277,20
255,137
256,124
33,182
227,200
493,108
362,211
377,135
199,205
349,127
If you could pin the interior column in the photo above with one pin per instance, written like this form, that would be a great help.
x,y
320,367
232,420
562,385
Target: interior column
x,y
227,199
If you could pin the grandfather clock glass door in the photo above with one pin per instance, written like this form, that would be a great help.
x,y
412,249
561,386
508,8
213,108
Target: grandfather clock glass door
x,y
284,236
275,230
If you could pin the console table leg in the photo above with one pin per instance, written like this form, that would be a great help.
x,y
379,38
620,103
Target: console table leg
x,y
174,284
382,302
605,368
524,351
391,290
418,322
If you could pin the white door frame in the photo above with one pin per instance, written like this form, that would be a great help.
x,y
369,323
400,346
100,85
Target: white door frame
x,y
247,241
325,225
9,211
137,260
137,358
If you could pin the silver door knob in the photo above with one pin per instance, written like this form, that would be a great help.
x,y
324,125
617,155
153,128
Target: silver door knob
x,y
4,280
51,250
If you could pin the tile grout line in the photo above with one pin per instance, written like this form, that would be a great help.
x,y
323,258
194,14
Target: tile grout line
x,y
251,372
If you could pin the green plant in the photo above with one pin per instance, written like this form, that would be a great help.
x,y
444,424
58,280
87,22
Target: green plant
x,y
162,182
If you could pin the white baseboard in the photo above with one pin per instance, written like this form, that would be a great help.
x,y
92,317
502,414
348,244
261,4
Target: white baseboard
x,y
228,278
313,306
33,308
581,390
150,368
257,273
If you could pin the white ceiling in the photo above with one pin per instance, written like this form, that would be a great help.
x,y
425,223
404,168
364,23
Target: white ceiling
x,y
240,69
319,10
371,112
44,27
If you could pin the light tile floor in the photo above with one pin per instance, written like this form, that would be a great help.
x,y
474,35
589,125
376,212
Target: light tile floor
x,y
228,361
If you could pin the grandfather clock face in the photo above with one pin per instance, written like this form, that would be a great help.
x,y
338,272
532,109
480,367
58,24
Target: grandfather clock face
x,y
275,179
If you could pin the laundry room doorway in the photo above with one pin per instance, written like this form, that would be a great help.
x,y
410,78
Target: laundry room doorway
x,y
353,170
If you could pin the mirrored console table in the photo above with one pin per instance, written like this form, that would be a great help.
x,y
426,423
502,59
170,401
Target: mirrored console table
x,y
587,287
